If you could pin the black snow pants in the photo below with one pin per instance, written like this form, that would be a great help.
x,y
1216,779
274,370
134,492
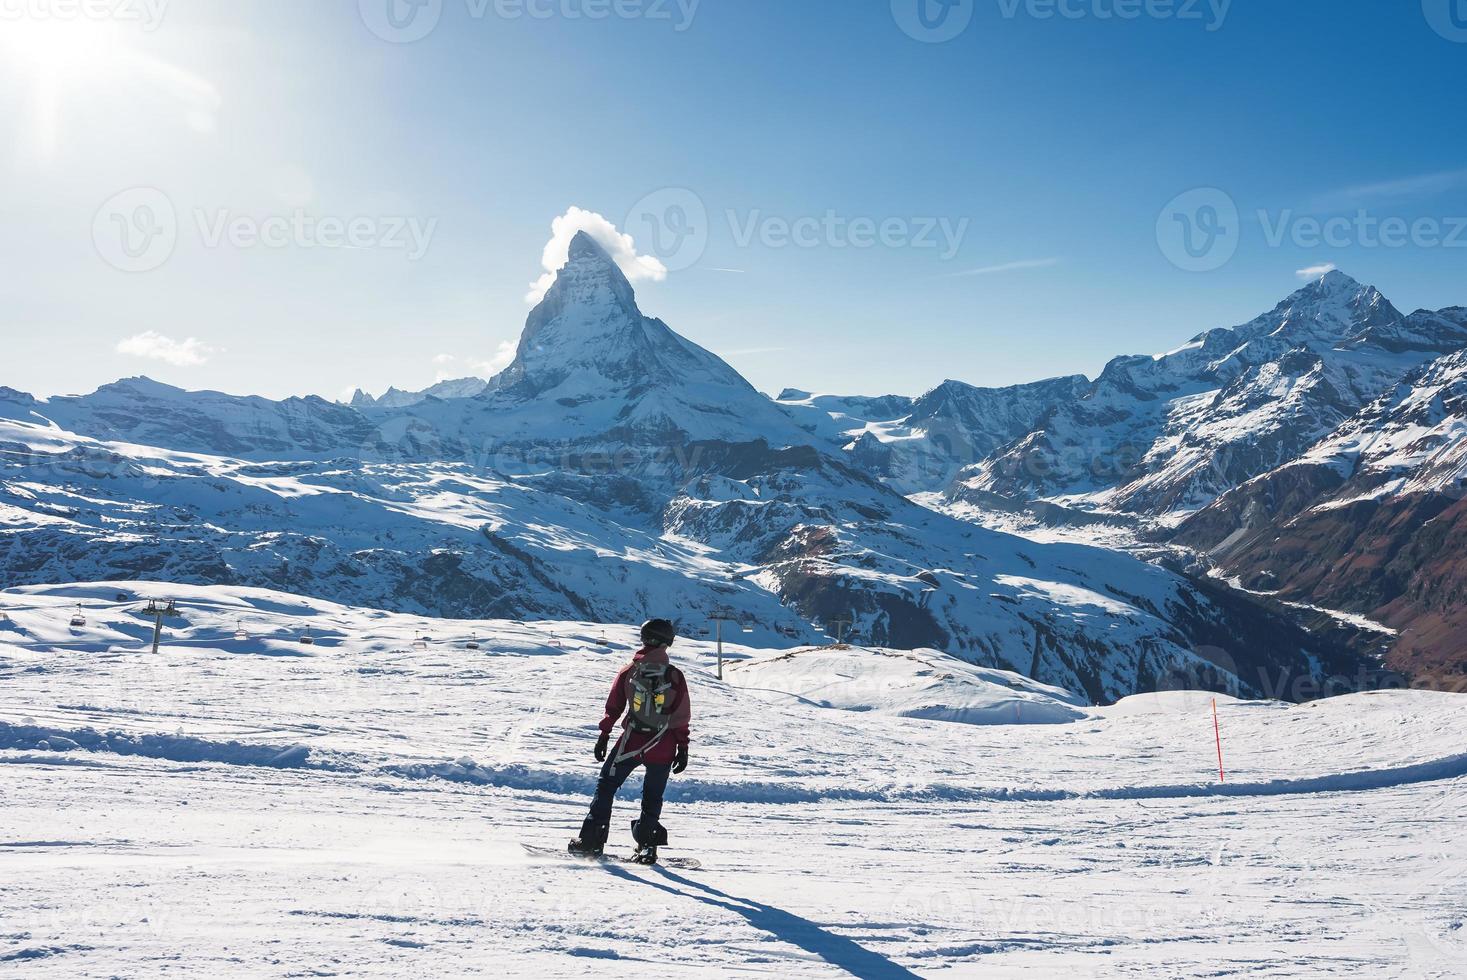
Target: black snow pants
x,y
598,822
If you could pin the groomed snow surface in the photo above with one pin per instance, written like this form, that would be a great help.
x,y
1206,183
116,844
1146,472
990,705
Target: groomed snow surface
x,y
355,807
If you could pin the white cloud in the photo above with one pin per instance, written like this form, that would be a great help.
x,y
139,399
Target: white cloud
x,y
452,367
156,347
989,270
1315,271
1405,188
501,359
621,248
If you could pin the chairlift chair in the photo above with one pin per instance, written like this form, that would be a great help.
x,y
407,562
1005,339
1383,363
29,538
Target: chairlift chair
x,y
307,640
473,644
420,644
239,633
78,620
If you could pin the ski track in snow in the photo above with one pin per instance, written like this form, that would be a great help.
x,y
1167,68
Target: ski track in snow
x,y
357,809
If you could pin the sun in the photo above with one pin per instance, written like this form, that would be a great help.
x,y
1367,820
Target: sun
x,y
61,50
52,61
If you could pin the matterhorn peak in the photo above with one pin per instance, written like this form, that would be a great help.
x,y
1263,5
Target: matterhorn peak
x,y
1335,281
585,248
589,356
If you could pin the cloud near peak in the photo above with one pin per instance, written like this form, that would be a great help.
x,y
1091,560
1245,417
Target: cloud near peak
x,y
620,246
1315,271
152,345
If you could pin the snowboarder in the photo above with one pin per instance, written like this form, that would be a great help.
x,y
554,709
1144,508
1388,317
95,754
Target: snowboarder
x,y
653,695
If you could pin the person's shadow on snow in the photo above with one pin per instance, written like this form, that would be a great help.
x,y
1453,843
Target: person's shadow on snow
x,y
838,951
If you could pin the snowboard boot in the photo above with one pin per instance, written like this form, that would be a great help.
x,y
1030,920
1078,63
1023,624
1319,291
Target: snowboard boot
x,y
591,841
648,839
580,848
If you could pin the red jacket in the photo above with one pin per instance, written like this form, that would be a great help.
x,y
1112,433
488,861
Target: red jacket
x,y
681,715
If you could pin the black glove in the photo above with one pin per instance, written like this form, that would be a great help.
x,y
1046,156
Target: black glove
x,y
601,747
681,762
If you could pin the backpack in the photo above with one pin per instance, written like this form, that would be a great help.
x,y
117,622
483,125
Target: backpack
x,y
651,696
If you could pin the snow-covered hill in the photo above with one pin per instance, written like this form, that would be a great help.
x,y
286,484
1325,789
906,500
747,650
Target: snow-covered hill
x,y
356,806
784,541
908,684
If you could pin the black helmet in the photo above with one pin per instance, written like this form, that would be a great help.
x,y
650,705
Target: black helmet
x,y
658,633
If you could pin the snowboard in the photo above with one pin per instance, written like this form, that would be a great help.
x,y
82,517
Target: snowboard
x,y
676,863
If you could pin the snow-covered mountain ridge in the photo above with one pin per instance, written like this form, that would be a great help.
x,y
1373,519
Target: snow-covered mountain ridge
x,y
1166,433
612,472
1370,520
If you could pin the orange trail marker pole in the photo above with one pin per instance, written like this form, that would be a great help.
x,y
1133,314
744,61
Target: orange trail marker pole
x,y
1217,733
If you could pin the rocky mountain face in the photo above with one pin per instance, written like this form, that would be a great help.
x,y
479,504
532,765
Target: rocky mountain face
x,y
613,471
1313,453
917,445
397,398
1169,433
1370,520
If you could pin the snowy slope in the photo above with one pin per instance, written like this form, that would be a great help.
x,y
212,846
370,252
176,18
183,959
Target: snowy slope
x,y
907,684
783,541
355,807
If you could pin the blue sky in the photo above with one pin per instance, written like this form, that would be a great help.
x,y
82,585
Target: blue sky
x,y
1055,143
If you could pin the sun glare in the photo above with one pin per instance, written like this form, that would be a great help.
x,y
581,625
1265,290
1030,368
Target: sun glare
x,y
61,49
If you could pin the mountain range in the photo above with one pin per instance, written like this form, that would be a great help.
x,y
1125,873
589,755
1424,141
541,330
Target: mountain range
x,y
615,470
